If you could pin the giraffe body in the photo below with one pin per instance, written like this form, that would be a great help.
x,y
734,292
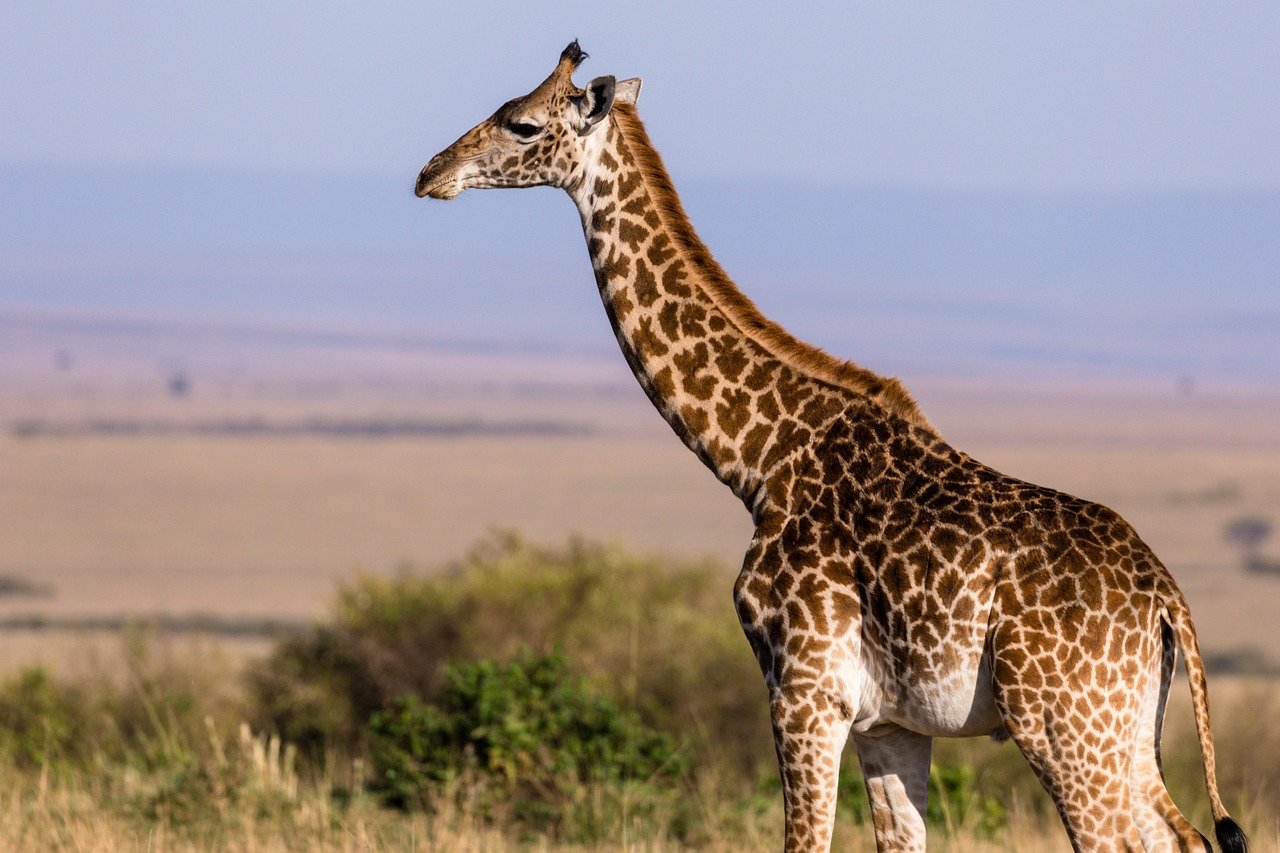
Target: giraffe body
x,y
895,590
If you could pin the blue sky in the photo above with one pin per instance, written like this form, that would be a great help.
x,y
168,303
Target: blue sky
x,y
1091,186
1079,95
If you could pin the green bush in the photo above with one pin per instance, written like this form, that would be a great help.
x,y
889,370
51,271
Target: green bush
x,y
660,639
42,722
317,689
528,735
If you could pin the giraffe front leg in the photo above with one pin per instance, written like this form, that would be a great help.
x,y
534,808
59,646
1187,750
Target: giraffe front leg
x,y
896,766
809,732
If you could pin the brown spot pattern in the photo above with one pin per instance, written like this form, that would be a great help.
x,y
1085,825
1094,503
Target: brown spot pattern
x,y
885,564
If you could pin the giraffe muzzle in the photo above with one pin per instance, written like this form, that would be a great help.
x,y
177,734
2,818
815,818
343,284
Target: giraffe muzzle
x,y
438,181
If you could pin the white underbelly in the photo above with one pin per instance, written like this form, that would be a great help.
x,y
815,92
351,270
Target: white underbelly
x,y
959,704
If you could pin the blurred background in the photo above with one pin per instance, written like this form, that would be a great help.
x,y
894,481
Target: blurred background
x,y
240,362
239,359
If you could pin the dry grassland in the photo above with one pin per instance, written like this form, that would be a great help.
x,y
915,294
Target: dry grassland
x,y
265,526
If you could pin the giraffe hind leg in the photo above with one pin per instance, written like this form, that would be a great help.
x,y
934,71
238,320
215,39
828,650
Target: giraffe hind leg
x,y
1076,730
895,764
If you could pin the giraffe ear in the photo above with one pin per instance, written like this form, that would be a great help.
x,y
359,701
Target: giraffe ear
x,y
594,103
627,91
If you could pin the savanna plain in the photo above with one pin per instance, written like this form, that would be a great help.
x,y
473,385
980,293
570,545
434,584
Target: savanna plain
x,y
468,603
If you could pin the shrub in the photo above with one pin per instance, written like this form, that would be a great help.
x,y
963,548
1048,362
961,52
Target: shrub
x,y
42,722
660,639
527,734
316,689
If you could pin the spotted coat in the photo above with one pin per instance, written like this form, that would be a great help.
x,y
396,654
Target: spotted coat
x,y
896,589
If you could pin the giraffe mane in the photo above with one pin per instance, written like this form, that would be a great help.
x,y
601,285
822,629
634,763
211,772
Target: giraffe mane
x,y
737,307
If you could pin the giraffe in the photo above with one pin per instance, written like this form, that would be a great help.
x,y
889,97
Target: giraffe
x,y
895,589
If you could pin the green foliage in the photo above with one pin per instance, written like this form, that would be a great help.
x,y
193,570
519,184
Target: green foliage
x,y
660,639
956,800
317,688
42,722
528,733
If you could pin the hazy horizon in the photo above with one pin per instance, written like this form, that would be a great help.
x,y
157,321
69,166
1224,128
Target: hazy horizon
x,y
1159,287
1076,194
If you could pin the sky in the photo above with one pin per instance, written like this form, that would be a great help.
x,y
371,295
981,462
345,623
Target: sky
x,y
1090,185
1080,95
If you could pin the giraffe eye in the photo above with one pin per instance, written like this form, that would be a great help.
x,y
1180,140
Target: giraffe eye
x,y
523,129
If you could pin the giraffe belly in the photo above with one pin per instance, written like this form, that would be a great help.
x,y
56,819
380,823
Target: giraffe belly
x,y
959,703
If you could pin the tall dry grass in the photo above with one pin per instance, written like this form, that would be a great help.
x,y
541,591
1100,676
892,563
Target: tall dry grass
x,y
247,791
281,810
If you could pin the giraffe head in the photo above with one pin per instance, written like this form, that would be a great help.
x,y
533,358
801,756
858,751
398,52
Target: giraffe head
x,y
534,140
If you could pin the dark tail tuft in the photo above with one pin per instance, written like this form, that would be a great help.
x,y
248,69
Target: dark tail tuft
x,y
1230,836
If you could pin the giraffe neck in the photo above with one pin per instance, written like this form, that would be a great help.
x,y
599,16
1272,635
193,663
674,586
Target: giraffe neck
x,y
737,389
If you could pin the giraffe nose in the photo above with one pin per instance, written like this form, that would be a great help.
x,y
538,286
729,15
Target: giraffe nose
x,y
420,189
430,174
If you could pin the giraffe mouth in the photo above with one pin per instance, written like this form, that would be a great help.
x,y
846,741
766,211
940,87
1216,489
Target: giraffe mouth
x,y
438,180
443,191
445,176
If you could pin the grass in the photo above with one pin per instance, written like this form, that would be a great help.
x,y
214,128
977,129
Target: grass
x,y
175,751
61,816
264,802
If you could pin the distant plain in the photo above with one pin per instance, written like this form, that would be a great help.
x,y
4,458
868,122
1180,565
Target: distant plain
x,y
124,500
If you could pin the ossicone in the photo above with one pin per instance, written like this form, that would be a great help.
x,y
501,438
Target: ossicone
x,y
573,54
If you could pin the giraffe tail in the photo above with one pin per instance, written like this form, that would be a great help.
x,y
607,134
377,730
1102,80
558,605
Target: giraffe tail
x,y
1231,837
